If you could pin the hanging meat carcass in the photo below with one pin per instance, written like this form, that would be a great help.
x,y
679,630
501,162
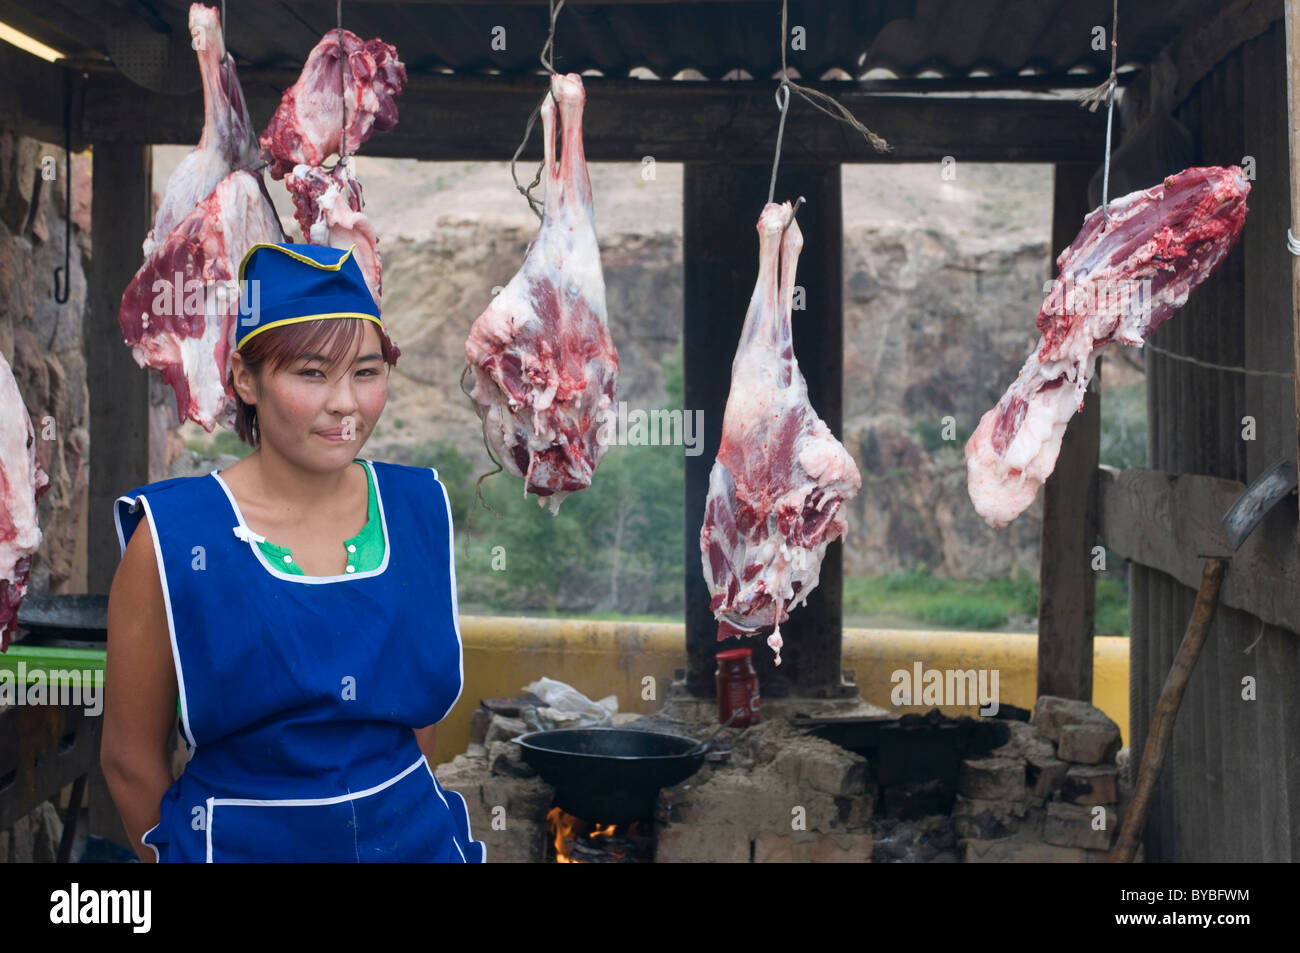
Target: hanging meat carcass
x,y
328,208
308,127
1115,284
23,482
543,360
780,478
227,141
178,313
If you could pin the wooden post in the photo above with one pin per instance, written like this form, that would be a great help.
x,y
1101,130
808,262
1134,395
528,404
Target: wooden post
x,y
1293,106
121,213
1066,594
721,205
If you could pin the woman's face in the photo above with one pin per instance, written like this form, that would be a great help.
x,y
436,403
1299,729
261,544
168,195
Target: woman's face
x,y
319,416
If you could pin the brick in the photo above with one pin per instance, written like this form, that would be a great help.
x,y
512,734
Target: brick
x,y
823,766
501,728
479,720
977,818
522,842
1071,825
698,843
1045,775
523,798
992,778
841,849
1089,744
1013,851
1052,715
505,758
1088,784
812,848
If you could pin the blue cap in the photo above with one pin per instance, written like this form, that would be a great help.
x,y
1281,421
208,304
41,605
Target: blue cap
x,y
283,284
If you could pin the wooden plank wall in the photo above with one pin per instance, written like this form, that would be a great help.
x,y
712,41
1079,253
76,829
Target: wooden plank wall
x,y
1230,790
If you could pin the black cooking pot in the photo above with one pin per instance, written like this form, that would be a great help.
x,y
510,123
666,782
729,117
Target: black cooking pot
x,y
610,775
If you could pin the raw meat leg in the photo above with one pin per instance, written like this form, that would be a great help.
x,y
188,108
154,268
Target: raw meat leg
x,y
227,141
23,482
776,488
544,364
185,327
1116,284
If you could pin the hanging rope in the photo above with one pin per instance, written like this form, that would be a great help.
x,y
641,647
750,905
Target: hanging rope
x,y
225,50
817,99
343,86
548,51
1092,99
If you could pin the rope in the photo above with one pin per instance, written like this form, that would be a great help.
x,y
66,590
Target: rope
x,y
343,88
816,98
1292,243
1092,99
479,498
1232,368
548,51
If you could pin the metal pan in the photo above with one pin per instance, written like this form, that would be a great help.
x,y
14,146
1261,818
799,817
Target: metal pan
x,y
611,775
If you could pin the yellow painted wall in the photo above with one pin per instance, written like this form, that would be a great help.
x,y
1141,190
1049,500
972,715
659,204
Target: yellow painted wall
x,y
503,654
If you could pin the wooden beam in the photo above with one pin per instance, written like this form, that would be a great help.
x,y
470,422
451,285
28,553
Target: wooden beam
x,y
1171,523
482,119
1067,580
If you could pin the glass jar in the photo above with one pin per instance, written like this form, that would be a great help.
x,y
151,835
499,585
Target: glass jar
x,y
737,685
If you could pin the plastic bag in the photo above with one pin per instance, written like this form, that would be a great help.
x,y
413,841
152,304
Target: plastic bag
x,y
568,708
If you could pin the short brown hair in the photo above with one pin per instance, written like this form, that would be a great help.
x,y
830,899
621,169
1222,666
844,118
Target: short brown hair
x,y
278,347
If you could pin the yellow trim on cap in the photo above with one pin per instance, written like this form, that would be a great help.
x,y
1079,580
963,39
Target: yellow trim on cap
x,y
295,255
309,317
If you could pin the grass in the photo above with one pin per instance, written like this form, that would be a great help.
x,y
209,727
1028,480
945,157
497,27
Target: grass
x,y
914,599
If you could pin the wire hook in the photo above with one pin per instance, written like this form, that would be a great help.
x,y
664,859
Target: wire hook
x,y
793,212
63,284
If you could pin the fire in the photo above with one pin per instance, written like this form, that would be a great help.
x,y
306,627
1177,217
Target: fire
x,y
569,829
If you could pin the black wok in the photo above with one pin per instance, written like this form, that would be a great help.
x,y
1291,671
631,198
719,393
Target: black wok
x,y
610,775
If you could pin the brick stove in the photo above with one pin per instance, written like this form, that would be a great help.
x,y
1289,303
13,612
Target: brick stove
x,y
932,790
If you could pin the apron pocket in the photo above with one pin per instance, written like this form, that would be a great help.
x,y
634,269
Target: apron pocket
x,y
402,819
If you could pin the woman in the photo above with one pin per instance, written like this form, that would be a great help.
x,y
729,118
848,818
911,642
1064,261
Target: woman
x,y
296,610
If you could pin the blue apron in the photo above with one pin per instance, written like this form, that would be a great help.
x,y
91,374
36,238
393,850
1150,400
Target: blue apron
x,y
299,694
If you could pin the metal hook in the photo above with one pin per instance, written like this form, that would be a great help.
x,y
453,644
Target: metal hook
x,y
63,276
793,212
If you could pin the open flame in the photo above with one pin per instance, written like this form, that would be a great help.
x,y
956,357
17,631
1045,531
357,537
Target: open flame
x,y
569,830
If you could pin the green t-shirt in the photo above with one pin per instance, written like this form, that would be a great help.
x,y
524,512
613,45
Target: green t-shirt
x,y
365,550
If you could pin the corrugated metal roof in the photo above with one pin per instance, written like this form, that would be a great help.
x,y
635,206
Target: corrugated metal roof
x,y
908,37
